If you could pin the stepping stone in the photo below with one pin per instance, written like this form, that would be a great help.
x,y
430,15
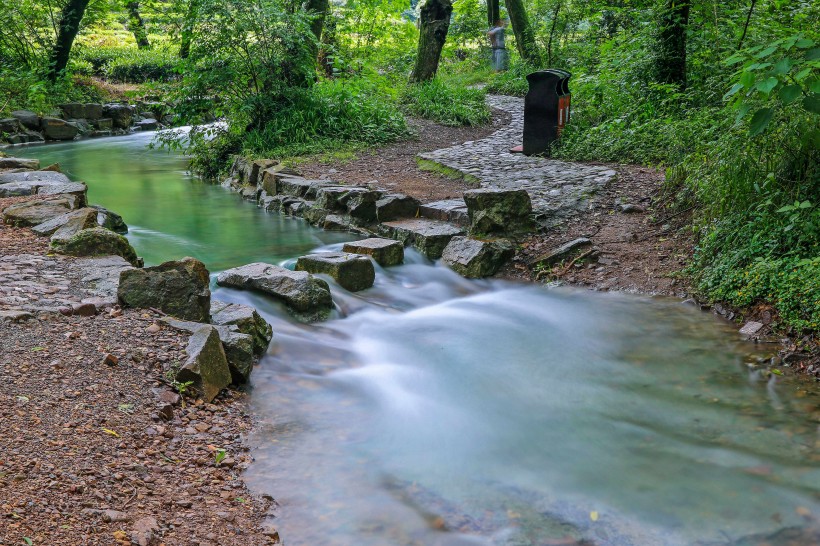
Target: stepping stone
x,y
246,319
428,236
448,210
352,271
498,211
395,206
385,252
334,222
298,290
474,259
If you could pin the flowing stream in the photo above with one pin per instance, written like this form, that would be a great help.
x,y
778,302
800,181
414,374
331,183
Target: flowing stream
x,y
432,410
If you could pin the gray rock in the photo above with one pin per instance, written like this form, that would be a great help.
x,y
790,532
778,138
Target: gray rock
x,y
336,198
59,129
630,208
561,253
207,366
67,225
428,236
29,119
97,242
73,110
751,328
270,177
246,320
10,126
238,347
395,206
361,205
253,170
110,220
474,259
334,222
149,124
315,215
179,288
352,271
448,210
121,115
15,315
41,183
19,163
298,290
249,193
293,186
32,213
101,276
385,252
104,124
498,211
93,111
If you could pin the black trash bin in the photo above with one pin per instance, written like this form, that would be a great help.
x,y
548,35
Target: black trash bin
x,y
546,109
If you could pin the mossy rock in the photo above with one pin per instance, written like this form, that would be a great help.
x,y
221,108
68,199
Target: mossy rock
x,y
97,242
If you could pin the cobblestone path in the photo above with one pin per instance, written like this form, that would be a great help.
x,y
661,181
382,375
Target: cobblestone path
x,y
557,188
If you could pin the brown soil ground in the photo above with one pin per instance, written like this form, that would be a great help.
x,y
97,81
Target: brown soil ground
x,y
394,167
105,453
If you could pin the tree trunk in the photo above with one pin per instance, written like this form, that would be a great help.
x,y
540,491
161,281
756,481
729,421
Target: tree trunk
x,y
69,26
188,29
524,36
552,32
671,60
137,25
493,12
435,21
318,10
746,26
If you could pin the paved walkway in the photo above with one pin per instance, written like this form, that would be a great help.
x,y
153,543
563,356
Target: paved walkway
x,y
557,188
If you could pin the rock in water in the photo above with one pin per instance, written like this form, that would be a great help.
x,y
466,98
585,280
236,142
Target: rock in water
x,y
179,288
352,271
97,242
475,259
207,366
246,320
110,220
386,252
428,236
59,129
498,211
299,290
19,163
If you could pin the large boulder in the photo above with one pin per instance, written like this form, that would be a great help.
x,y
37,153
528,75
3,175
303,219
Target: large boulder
x,y
498,211
270,177
29,119
149,124
67,225
475,259
238,347
206,368
246,320
352,271
73,110
121,115
93,111
179,288
10,126
428,236
395,206
97,242
110,220
362,206
299,290
385,252
32,213
59,129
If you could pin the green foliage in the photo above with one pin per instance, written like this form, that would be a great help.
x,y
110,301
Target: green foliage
x,y
129,64
446,103
512,82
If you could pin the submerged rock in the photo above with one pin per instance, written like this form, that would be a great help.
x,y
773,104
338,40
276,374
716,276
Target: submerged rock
x,y
179,288
498,211
474,259
97,242
352,271
246,320
298,290
207,366
385,252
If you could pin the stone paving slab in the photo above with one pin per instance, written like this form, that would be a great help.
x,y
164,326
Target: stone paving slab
x,y
558,189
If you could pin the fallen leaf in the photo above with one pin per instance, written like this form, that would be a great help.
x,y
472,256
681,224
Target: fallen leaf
x,y
593,515
111,432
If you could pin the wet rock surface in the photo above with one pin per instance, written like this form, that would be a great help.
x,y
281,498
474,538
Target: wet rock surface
x,y
246,320
428,236
473,258
97,242
179,288
352,271
385,252
498,211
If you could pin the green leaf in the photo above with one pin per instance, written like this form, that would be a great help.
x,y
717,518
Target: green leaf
x,y
766,52
812,103
766,86
805,205
814,86
735,88
734,59
747,80
804,43
800,76
742,111
813,54
783,66
790,93
760,120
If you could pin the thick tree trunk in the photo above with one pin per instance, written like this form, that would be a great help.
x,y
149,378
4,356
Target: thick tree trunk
x,y
524,36
435,22
671,59
493,12
137,25
318,10
188,25
69,26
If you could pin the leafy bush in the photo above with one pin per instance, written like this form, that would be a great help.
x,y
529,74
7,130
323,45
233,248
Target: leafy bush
x,y
446,103
511,82
131,65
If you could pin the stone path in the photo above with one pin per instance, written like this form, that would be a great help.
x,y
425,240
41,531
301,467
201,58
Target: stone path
x,y
557,188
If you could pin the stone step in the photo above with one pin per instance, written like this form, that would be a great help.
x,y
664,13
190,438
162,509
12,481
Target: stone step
x,y
447,210
353,272
428,236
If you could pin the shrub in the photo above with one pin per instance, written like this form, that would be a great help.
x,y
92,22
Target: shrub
x,y
129,64
446,103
